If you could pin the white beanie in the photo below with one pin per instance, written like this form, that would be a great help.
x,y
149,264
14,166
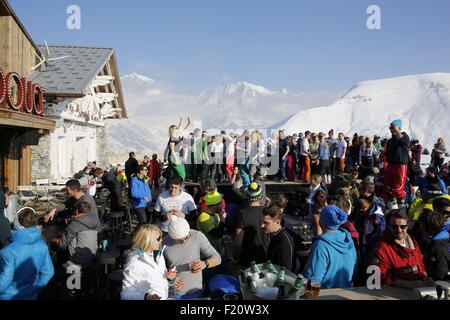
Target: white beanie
x,y
178,228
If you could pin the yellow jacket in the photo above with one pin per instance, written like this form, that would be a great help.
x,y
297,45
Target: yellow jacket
x,y
122,177
418,205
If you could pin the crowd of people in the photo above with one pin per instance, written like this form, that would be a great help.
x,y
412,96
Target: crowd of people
x,y
367,201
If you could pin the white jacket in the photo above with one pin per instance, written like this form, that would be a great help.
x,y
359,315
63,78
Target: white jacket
x,y
143,275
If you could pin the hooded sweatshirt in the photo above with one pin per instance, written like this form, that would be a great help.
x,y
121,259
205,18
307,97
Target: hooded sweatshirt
x,y
332,260
80,238
25,266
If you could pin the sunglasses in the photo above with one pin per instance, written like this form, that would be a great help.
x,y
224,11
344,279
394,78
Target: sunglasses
x,y
395,227
184,240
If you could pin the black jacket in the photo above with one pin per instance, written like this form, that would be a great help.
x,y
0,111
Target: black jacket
x,y
437,258
109,181
398,150
131,167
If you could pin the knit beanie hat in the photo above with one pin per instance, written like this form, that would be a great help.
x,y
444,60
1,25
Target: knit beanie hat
x,y
254,192
178,228
332,217
213,198
397,123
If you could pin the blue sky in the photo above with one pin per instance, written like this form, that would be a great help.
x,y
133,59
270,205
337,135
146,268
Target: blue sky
x,y
301,45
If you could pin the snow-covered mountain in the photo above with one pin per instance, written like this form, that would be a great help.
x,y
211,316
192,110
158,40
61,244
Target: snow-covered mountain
x,y
245,105
421,101
153,106
137,79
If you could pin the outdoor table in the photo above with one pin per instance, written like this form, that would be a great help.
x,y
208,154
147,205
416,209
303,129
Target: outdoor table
x,y
363,293
55,188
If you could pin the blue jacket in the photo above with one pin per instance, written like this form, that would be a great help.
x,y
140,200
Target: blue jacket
x,y
332,260
140,189
25,266
375,231
439,181
447,228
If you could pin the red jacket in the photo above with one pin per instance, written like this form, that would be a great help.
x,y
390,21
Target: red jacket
x,y
416,153
396,262
154,170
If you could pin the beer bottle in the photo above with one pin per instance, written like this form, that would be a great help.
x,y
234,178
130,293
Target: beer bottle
x,y
281,283
256,269
298,284
269,266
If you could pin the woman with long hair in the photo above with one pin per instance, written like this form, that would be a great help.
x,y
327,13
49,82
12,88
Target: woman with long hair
x,y
145,275
319,202
324,159
290,169
176,165
438,154
367,155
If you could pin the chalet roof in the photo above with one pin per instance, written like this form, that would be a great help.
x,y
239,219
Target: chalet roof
x,y
73,75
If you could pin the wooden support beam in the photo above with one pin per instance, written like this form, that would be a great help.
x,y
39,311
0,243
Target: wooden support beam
x,y
102,81
18,119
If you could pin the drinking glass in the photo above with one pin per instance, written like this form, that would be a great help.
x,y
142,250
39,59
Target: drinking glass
x,y
315,288
191,266
172,293
312,289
